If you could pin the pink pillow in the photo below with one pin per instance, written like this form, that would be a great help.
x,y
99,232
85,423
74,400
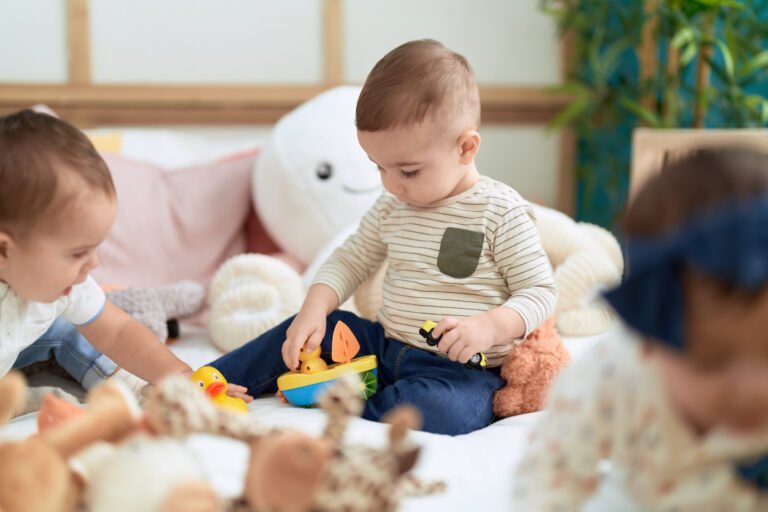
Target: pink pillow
x,y
175,225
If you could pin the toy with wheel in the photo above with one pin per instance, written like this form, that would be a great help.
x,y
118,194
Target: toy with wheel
x,y
304,386
477,361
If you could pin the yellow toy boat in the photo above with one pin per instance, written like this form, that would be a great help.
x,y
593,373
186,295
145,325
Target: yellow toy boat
x,y
303,387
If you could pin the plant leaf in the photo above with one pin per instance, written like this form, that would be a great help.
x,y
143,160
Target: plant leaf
x,y
727,59
569,113
689,54
649,117
684,36
736,4
756,63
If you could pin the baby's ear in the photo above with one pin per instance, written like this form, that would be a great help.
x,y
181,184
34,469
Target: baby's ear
x,y
6,243
469,144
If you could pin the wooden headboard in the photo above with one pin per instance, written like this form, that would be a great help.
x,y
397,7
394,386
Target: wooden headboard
x,y
88,104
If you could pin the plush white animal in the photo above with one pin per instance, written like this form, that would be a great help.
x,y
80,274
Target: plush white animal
x,y
312,178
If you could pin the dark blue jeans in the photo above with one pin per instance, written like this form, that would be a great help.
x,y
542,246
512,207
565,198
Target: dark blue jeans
x,y
452,399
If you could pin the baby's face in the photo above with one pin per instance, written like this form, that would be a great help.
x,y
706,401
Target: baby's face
x,y
722,377
419,164
62,250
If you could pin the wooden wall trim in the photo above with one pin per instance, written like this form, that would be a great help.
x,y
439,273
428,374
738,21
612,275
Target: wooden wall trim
x,y
333,41
79,40
156,104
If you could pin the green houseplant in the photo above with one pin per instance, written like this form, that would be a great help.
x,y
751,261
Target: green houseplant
x,y
658,63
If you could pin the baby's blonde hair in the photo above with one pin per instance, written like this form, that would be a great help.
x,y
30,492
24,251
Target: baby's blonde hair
x,y
416,80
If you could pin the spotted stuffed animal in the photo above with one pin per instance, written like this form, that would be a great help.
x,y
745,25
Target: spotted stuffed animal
x,y
361,478
292,472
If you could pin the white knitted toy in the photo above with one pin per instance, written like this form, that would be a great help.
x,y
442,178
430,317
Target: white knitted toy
x,y
250,294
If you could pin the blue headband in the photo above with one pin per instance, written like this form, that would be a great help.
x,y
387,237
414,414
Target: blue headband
x,y
729,242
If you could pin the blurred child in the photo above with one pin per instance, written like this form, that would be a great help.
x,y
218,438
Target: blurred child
x,y
462,249
57,205
678,407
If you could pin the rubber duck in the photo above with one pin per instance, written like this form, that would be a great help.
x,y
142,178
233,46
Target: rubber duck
x,y
213,383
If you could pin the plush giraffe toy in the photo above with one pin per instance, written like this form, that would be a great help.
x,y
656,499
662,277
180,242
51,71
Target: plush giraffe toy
x,y
293,472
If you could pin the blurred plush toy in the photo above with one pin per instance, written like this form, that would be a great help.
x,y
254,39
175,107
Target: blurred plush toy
x,y
529,370
586,259
35,475
292,472
159,309
146,470
148,474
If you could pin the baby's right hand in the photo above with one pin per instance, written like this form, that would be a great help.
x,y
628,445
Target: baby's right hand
x,y
306,330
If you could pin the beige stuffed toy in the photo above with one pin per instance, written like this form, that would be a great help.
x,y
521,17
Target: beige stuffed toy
x,y
586,259
293,472
35,475
144,471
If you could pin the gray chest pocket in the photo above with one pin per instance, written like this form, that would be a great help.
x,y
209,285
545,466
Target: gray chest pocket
x,y
459,252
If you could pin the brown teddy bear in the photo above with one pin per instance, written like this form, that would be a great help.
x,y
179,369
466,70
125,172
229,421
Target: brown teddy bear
x,y
529,371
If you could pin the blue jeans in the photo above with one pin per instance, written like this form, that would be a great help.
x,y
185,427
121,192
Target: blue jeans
x,y
452,399
64,343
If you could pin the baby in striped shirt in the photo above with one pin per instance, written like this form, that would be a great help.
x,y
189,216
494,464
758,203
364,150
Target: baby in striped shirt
x,y
461,249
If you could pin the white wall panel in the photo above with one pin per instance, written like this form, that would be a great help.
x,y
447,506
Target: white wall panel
x,y
199,41
522,157
33,41
506,41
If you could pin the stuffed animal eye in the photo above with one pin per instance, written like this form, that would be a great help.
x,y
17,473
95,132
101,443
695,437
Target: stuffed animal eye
x,y
201,384
324,170
215,377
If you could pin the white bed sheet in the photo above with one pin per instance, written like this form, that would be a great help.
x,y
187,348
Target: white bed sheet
x,y
478,467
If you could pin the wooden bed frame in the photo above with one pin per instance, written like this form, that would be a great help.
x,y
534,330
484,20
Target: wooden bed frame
x,y
86,104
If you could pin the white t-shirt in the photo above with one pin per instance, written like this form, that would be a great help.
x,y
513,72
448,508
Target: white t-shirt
x,y
610,406
22,322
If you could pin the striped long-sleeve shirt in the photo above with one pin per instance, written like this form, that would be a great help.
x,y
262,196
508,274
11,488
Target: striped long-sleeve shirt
x,y
460,257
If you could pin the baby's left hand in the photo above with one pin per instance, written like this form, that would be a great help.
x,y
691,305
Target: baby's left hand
x,y
466,337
